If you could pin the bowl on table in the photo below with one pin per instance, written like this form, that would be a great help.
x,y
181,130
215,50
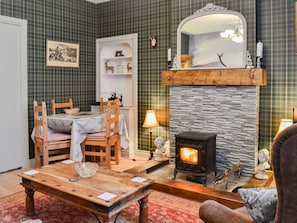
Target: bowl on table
x,y
86,169
71,111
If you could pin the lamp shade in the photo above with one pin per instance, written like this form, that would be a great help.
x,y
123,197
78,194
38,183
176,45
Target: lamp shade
x,y
284,124
150,120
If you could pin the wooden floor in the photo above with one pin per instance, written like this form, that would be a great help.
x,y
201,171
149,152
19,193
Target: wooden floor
x,y
10,183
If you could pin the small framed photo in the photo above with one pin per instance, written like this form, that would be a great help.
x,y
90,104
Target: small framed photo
x,y
119,53
62,54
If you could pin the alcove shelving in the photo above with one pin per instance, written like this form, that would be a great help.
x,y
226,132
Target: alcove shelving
x,y
116,74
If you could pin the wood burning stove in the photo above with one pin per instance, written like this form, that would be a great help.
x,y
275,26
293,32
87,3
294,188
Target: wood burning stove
x,y
195,154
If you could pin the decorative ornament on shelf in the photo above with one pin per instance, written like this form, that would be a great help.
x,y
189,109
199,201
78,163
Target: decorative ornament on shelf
x,y
129,67
119,53
249,61
108,68
114,96
263,156
174,63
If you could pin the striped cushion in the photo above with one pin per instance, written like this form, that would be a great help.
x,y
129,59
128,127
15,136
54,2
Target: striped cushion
x,y
58,137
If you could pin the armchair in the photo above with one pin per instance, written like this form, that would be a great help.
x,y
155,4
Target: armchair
x,y
283,158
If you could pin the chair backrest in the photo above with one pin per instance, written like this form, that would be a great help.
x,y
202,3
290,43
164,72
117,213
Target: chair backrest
x,y
284,158
56,105
103,105
40,122
112,117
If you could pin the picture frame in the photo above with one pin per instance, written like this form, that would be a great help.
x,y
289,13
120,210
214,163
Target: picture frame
x,y
62,54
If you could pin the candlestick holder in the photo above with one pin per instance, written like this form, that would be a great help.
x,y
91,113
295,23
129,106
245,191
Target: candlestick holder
x,y
169,64
259,63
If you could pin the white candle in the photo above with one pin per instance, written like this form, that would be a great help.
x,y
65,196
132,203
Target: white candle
x,y
169,54
260,49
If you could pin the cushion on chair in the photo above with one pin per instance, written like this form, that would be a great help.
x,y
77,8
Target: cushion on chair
x,y
99,135
260,203
58,137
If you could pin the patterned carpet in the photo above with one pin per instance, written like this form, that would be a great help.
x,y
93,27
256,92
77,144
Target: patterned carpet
x,y
163,208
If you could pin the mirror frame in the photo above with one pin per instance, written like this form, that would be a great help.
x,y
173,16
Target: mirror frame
x,y
209,9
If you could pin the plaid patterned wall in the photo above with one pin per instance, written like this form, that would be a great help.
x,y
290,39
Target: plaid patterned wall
x,y
275,27
75,21
62,20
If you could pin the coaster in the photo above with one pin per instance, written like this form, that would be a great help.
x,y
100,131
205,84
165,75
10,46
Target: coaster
x,y
107,196
67,161
31,172
138,179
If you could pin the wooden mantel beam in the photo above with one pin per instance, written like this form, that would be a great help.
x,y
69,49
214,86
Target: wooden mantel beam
x,y
247,77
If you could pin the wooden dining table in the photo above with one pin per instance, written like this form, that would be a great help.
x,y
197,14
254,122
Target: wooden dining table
x,y
79,126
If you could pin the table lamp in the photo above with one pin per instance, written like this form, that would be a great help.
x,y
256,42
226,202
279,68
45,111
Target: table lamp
x,y
283,124
150,122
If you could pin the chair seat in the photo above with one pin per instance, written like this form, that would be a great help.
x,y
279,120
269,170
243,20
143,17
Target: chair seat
x,y
99,135
58,137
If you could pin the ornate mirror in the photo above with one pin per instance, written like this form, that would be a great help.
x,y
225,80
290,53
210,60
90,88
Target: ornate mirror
x,y
212,38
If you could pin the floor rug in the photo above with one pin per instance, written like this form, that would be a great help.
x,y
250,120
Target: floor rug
x,y
163,208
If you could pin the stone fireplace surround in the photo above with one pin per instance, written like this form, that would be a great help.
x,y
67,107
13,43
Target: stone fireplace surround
x,y
229,111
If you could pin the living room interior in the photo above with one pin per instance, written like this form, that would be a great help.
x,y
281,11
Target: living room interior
x,y
83,22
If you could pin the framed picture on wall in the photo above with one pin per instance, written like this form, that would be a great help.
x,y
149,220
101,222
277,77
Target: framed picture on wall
x,y
62,54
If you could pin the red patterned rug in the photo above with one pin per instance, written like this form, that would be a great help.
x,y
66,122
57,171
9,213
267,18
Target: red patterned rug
x,y
163,208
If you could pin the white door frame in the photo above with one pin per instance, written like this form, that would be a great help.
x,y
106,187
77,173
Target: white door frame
x,y
23,103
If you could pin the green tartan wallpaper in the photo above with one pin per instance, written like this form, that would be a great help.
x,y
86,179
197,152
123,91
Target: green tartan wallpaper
x,y
79,21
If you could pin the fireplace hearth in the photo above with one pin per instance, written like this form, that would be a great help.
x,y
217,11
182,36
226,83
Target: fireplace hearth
x,y
195,154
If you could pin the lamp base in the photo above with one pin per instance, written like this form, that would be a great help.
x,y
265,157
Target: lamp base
x,y
151,154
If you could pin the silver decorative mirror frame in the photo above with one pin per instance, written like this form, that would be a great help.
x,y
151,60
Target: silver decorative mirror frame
x,y
218,53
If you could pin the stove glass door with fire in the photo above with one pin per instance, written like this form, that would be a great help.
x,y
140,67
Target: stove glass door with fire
x,y
195,154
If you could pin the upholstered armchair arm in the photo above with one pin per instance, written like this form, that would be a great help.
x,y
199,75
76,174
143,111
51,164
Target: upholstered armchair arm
x,y
213,212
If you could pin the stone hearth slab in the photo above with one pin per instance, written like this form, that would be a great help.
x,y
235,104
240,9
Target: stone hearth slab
x,y
149,166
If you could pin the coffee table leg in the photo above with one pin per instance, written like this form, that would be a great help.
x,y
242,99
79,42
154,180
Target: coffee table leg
x,y
143,210
30,209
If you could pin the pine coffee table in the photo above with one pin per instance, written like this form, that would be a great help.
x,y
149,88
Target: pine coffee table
x,y
105,194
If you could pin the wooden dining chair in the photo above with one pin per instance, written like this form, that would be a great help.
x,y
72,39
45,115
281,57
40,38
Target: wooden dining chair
x,y
102,108
52,146
59,105
103,105
102,144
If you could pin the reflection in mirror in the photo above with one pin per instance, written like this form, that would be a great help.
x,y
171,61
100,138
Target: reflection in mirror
x,y
213,37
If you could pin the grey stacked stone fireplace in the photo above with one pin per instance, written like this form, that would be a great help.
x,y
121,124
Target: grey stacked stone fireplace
x,y
232,112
